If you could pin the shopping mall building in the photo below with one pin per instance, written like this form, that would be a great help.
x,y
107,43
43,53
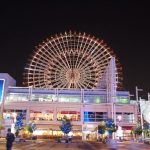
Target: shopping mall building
x,y
71,75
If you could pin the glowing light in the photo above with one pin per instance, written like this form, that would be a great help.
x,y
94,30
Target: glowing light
x,y
146,113
119,117
13,128
62,62
119,132
39,132
2,82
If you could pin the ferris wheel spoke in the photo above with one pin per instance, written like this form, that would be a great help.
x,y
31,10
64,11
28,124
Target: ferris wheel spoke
x,y
53,54
38,67
44,53
60,51
63,51
68,48
81,58
58,56
102,53
102,56
54,67
41,63
32,70
64,59
83,62
88,50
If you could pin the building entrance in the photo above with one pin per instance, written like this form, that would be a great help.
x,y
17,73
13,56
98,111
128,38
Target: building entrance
x,y
89,132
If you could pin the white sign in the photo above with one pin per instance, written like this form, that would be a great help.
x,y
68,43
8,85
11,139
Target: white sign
x,y
145,109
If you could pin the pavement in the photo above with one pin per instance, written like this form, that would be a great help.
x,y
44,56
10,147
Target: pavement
x,y
77,145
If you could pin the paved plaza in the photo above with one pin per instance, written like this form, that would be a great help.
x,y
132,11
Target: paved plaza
x,y
45,145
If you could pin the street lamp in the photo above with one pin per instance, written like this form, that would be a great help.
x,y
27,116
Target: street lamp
x,y
141,118
148,96
139,105
136,92
131,95
113,109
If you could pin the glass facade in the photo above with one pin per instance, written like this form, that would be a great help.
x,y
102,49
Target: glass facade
x,y
90,96
95,116
17,97
122,100
97,99
69,98
44,97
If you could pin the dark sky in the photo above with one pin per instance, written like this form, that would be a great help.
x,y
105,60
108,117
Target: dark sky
x,y
124,26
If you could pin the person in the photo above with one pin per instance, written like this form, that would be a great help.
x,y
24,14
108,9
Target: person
x,y
9,139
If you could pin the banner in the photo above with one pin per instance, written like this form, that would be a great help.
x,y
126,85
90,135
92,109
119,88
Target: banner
x,y
1,89
145,110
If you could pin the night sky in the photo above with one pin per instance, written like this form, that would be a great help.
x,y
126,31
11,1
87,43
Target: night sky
x,y
123,25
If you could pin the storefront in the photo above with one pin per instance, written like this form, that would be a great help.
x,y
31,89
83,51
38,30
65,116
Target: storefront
x,y
89,132
53,131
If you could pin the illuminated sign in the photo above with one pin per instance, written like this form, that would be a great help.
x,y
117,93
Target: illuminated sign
x,y
1,89
145,110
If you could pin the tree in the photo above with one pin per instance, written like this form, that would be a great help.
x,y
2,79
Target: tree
x,y
19,123
1,124
110,126
138,130
31,127
66,126
146,129
102,127
1,128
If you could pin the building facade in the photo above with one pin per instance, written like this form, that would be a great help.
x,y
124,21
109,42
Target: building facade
x,y
73,75
84,107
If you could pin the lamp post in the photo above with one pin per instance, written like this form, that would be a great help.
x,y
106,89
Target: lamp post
x,y
141,118
113,109
136,92
137,97
139,105
148,96
131,95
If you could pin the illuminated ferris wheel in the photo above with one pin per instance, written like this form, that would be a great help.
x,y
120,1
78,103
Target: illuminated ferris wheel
x,y
69,60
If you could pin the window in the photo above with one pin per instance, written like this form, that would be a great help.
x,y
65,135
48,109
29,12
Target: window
x,y
12,114
72,115
128,117
125,117
95,116
39,115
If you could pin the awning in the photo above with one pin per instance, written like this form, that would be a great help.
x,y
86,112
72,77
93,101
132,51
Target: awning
x,y
127,127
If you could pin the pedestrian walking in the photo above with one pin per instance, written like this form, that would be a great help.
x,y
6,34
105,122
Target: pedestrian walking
x,y
9,139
